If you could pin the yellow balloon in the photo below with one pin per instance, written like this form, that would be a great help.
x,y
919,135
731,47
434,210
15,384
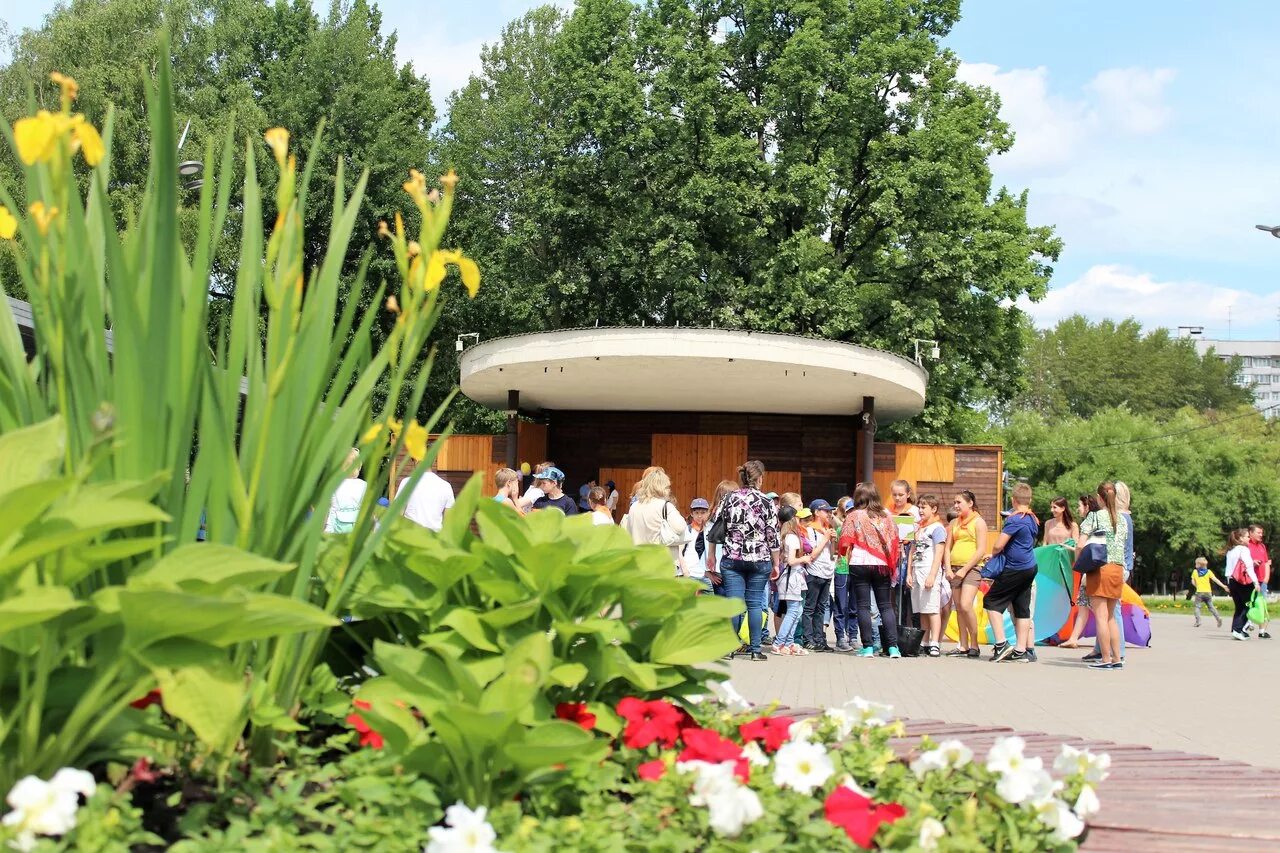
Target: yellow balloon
x,y
525,469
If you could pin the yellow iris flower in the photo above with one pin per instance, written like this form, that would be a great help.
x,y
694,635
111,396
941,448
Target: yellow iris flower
x,y
437,266
35,136
90,142
278,141
42,215
415,440
70,88
8,223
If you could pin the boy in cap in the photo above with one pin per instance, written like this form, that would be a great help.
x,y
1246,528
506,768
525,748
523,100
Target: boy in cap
x,y
549,482
819,572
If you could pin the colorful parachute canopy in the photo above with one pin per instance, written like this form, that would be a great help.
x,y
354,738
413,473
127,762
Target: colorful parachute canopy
x,y
1055,610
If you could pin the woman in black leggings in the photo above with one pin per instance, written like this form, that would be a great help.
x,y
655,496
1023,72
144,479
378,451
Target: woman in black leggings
x,y
869,539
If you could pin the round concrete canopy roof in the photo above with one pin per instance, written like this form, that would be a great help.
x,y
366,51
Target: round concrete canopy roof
x,y
666,369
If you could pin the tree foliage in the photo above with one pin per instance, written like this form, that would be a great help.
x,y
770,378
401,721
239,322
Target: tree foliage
x,y
250,64
1080,368
788,166
1193,476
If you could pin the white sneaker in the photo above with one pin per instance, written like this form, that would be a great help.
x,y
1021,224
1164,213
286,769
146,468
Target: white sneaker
x,y
1239,635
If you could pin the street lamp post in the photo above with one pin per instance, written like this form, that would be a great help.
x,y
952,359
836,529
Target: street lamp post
x,y
1273,230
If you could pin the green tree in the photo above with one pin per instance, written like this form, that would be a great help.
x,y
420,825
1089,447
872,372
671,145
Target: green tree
x,y
1194,476
1080,368
255,63
788,166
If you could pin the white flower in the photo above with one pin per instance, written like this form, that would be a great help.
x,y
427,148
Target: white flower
x,y
1087,804
802,729
869,713
1082,762
46,808
931,829
755,755
848,781
76,781
729,696
1021,778
730,805
843,721
1054,814
949,753
465,831
802,766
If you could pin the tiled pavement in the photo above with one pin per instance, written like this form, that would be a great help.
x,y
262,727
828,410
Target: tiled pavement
x,y
1188,692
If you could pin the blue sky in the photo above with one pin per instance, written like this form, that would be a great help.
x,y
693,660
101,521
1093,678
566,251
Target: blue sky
x,y
1147,133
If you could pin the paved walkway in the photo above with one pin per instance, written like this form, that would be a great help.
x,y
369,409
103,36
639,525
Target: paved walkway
x,y
1187,692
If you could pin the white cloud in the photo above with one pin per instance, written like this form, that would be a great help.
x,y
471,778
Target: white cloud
x,y
1048,128
1133,98
1111,291
1052,129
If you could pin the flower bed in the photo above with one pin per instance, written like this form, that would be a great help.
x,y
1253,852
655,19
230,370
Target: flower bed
x,y
714,779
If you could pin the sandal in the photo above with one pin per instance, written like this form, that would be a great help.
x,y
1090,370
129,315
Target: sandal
x,y
799,651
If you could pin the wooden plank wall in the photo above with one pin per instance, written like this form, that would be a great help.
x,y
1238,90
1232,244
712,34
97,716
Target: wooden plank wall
x,y
678,455
785,481
945,470
625,480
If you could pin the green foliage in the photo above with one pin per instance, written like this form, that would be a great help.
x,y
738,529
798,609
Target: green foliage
x,y
1081,368
79,640
277,405
812,168
1215,473
505,625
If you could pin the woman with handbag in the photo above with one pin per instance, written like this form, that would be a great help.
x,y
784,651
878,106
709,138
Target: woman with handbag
x,y
1104,581
751,548
1242,580
966,549
653,519
869,539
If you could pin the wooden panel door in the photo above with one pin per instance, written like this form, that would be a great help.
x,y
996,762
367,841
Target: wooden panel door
x,y
783,481
532,444
916,462
678,456
718,459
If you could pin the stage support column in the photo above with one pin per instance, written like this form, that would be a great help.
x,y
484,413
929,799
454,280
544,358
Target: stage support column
x,y
513,430
868,418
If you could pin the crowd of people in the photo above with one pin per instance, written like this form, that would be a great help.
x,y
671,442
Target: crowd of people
x,y
850,577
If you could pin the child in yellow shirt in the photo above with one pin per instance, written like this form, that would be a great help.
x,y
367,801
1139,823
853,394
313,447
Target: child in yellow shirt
x,y
1201,579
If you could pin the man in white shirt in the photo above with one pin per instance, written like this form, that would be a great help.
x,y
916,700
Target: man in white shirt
x,y
430,498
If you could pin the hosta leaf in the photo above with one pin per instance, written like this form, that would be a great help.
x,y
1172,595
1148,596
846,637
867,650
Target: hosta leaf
x,y
35,607
209,567
692,637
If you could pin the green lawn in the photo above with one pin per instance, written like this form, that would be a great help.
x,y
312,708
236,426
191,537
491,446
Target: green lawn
x,y
1180,604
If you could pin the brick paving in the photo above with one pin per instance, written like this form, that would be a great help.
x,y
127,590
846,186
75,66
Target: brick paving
x,y
1186,692
1185,775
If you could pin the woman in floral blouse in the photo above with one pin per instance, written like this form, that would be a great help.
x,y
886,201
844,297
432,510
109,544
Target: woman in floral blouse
x,y
750,547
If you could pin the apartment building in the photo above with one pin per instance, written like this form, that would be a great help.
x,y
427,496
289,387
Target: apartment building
x,y
1259,368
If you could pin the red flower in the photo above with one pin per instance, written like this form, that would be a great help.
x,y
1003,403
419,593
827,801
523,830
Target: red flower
x,y
142,772
647,722
773,731
576,712
368,737
858,816
152,698
706,745
652,771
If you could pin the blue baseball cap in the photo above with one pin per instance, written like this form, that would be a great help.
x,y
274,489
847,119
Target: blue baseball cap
x,y
848,505
699,503
819,504
550,474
